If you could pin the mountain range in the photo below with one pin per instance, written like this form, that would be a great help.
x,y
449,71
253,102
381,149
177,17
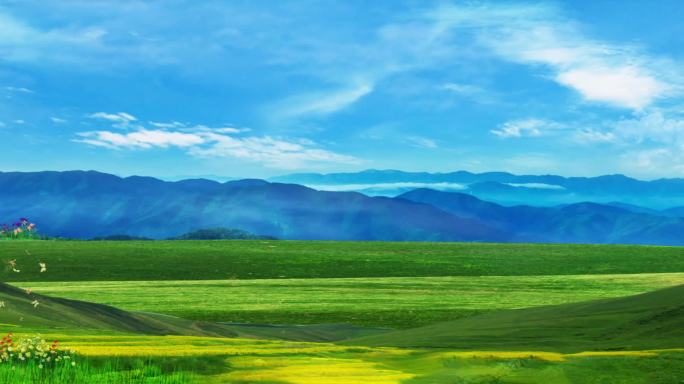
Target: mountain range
x,y
89,204
505,188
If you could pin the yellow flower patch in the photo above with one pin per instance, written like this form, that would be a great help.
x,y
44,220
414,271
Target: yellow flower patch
x,y
315,370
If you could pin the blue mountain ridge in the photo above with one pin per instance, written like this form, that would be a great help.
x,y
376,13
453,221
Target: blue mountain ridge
x,y
506,188
87,204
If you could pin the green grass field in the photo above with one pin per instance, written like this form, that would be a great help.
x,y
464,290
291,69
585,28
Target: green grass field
x,y
464,313
397,302
182,359
246,259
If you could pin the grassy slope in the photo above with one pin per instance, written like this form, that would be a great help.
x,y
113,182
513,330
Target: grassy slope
x,y
245,259
18,313
650,320
79,317
402,302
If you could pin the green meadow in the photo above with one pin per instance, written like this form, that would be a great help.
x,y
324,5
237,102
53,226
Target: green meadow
x,y
255,259
300,312
395,302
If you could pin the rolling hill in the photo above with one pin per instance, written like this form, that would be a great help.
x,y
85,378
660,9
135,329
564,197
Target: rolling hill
x,y
64,315
90,204
573,223
647,321
54,314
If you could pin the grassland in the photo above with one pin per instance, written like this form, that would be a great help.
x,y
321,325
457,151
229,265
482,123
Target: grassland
x,y
451,292
246,259
129,359
402,302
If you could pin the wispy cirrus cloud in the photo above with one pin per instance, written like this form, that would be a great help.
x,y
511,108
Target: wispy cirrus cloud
x,y
422,142
119,117
541,35
321,102
172,124
18,89
22,42
120,120
588,135
273,153
57,120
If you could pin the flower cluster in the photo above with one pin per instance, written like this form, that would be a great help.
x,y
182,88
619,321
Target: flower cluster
x,y
34,349
22,229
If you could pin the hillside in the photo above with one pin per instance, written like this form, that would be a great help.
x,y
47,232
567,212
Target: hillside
x,y
72,315
55,314
573,223
92,204
646,321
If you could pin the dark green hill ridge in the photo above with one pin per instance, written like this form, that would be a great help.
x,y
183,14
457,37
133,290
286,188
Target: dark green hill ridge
x,y
73,316
648,321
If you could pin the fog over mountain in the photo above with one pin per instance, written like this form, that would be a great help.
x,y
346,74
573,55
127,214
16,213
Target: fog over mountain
x,y
505,188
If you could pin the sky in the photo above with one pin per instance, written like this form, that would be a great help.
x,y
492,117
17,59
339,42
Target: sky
x,y
178,89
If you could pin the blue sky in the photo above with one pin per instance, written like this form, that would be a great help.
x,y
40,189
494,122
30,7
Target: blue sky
x,y
254,89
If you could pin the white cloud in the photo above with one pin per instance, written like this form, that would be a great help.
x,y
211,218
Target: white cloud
x,y
463,89
387,186
615,74
173,124
18,89
593,136
142,138
650,143
20,121
203,141
422,142
271,152
205,128
652,127
626,86
120,117
654,162
537,186
525,127
57,120
21,42
322,103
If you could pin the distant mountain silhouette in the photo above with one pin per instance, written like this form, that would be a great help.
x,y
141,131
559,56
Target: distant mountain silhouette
x,y
574,223
509,189
88,204
221,234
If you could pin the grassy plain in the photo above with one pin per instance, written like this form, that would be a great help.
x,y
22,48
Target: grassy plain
x,y
399,285
399,302
247,259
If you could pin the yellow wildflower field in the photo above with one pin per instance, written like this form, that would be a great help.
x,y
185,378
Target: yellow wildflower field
x,y
274,361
